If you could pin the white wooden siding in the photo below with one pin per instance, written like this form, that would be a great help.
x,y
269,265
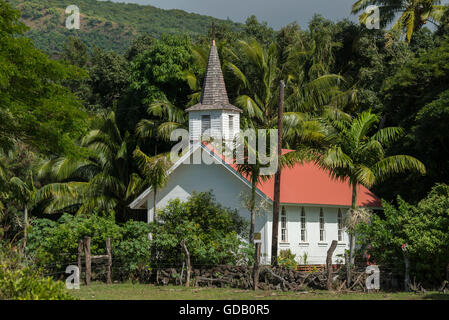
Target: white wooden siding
x,y
227,188
219,123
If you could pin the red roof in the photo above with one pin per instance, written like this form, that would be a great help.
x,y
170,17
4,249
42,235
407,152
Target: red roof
x,y
309,184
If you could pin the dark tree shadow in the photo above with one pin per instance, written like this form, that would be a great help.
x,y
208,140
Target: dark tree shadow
x,y
436,296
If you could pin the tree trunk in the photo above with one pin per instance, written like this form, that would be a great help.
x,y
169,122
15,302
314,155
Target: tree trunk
x,y
447,272
189,267
277,181
155,202
109,267
80,253
330,252
407,273
256,267
252,208
348,270
87,258
352,235
25,232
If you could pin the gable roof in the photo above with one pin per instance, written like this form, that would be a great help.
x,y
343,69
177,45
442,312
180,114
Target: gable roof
x,y
213,94
305,184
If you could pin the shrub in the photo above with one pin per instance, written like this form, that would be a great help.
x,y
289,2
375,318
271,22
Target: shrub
x,y
54,245
287,260
213,234
19,281
423,227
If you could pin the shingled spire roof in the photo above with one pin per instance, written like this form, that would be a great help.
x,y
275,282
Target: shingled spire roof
x,y
213,94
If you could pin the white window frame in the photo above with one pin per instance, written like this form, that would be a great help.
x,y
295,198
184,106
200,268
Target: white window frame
x,y
322,226
231,126
303,226
340,232
284,226
203,129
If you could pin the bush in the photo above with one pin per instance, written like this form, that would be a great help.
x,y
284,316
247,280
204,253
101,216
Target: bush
x,y
287,260
213,234
21,282
54,245
423,227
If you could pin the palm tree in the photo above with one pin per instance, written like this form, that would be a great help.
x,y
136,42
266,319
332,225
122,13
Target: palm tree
x,y
258,82
359,156
253,172
155,170
258,74
258,104
104,181
413,13
26,193
165,117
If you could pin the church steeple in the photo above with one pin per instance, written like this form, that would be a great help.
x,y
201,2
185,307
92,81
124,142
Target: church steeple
x,y
213,94
214,114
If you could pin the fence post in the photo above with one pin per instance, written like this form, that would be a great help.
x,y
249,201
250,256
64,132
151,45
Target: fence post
x,y
330,252
407,273
108,250
348,270
80,252
256,267
87,258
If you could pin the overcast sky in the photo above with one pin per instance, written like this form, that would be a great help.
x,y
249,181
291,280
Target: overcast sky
x,y
277,13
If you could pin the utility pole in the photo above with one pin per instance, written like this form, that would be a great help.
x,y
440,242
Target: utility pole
x,y
277,181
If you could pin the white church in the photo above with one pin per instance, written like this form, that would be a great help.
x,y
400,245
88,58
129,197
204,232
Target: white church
x,y
313,205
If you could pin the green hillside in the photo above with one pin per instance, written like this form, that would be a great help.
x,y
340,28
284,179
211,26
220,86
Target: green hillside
x,y
108,25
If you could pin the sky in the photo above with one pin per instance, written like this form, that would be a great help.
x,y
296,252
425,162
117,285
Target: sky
x,y
277,13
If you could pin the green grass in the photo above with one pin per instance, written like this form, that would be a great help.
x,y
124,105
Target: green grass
x,y
129,291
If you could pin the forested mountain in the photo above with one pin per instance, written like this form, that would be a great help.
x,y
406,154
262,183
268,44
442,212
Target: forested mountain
x,y
108,25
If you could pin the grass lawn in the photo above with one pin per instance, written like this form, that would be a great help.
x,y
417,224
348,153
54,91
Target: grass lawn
x,y
129,291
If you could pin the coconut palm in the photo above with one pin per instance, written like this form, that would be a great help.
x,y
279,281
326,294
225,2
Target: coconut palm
x,y
155,169
104,181
25,193
252,171
413,14
257,71
359,156
165,117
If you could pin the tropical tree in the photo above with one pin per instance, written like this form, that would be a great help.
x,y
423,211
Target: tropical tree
x,y
35,107
307,97
103,181
359,157
25,192
253,173
164,118
413,13
155,169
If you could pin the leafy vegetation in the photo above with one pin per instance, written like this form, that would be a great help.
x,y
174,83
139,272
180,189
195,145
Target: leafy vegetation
x,y
84,132
19,281
213,234
54,244
422,227
107,25
287,259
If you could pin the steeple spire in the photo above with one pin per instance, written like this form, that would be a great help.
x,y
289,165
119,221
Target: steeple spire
x,y
213,94
213,33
